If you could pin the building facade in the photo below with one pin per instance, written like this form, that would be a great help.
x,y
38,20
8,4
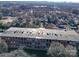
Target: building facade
x,y
38,38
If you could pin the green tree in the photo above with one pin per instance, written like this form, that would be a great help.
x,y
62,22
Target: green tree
x,y
57,49
0,17
3,46
15,53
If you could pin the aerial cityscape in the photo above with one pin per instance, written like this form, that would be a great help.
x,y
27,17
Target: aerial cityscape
x,y
39,29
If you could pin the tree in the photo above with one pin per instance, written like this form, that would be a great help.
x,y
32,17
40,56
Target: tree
x,y
3,46
57,49
15,53
71,50
0,17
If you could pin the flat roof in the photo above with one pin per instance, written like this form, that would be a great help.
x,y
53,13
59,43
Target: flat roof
x,y
41,33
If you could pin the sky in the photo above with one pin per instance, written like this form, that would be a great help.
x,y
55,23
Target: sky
x,y
76,1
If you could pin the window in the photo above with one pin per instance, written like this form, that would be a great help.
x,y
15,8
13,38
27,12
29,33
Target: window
x,y
27,32
13,41
22,32
47,33
43,47
49,40
15,32
56,35
68,42
30,32
65,30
